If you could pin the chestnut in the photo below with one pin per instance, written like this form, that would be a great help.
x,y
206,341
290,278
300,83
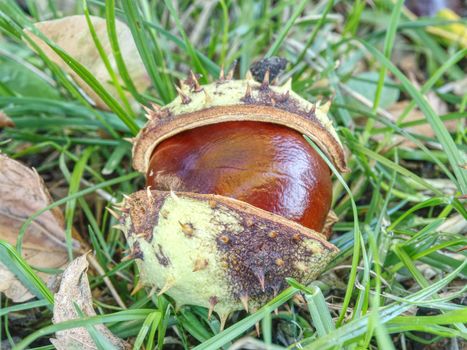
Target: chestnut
x,y
236,198
266,165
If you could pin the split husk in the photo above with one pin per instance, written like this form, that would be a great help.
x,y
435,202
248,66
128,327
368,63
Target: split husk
x,y
211,250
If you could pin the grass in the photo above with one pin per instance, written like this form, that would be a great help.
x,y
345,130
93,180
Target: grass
x,y
400,259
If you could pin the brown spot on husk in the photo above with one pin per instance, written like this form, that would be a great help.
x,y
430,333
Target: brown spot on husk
x,y
161,257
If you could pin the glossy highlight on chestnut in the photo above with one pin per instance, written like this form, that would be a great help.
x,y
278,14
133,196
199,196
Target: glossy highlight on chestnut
x,y
266,165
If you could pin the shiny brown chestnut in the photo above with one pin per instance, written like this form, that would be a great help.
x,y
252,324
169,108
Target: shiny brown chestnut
x,y
269,166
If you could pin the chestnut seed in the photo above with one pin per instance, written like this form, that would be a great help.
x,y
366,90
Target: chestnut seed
x,y
269,166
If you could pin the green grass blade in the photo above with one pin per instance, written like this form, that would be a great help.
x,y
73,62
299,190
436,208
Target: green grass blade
x,y
152,320
432,81
191,51
121,316
358,327
193,326
281,37
357,233
403,171
382,336
388,45
315,31
239,328
115,158
57,72
89,79
449,317
106,61
75,181
317,307
15,263
211,66
319,312
455,158
152,332
113,39
135,21
354,17
24,306
97,337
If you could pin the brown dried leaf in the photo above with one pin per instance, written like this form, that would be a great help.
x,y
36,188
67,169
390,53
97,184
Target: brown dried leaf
x,y
422,129
5,121
455,224
457,87
22,193
72,35
75,290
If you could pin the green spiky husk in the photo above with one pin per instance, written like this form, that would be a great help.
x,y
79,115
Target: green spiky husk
x,y
218,252
238,100
215,251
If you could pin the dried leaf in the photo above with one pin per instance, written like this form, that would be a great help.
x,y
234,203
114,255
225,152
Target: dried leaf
x,y
444,185
460,87
457,87
421,129
72,35
22,193
5,121
75,292
455,224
